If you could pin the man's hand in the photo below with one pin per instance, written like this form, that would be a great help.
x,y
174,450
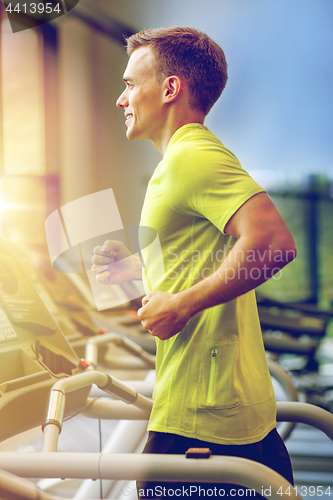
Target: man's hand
x,y
163,314
113,264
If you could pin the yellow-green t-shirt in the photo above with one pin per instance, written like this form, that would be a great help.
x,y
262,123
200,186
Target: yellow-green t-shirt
x,y
212,380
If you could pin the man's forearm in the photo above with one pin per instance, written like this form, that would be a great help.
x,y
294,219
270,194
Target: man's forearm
x,y
244,269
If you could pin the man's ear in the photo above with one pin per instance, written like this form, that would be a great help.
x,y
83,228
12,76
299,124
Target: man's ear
x,y
172,88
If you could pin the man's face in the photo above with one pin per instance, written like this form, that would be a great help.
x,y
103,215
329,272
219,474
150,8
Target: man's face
x,y
142,98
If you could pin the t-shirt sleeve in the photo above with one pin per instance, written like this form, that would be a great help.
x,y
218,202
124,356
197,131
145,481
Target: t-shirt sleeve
x,y
208,183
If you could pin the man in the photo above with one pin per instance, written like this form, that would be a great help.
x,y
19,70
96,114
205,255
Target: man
x,y
221,237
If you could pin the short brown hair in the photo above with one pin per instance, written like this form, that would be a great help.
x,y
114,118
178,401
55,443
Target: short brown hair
x,y
187,53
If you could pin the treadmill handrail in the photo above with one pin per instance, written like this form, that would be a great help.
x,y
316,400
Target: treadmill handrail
x,y
22,488
306,413
150,467
54,417
285,380
109,409
287,411
93,343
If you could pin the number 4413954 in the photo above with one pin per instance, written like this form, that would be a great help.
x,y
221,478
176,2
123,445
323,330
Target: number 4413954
x,y
33,8
320,491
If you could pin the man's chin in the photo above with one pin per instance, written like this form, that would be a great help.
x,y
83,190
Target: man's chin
x,y
130,134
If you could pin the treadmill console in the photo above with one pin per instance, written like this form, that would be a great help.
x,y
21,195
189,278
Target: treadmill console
x,y
34,352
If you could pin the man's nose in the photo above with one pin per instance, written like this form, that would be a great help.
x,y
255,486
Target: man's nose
x,y
121,101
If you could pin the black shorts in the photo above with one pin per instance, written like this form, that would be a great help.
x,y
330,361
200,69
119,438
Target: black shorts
x,y
271,452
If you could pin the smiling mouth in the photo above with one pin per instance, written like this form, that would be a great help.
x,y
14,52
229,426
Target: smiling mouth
x,y
127,117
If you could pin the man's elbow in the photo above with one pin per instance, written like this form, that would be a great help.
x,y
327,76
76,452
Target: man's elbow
x,y
286,248
282,248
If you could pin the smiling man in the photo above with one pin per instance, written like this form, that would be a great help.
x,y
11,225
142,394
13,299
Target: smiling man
x,y
145,101
213,387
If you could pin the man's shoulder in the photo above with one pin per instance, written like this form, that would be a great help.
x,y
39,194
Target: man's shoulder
x,y
193,134
196,145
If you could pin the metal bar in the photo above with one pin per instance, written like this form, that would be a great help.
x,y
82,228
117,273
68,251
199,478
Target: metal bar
x,y
56,405
284,379
144,387
138,351
126,438
56,409
93,343
80,380
107,383
216,469
20,489
50,437
306,414
106,408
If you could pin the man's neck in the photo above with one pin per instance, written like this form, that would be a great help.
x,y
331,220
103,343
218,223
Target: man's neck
x,y
174,122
